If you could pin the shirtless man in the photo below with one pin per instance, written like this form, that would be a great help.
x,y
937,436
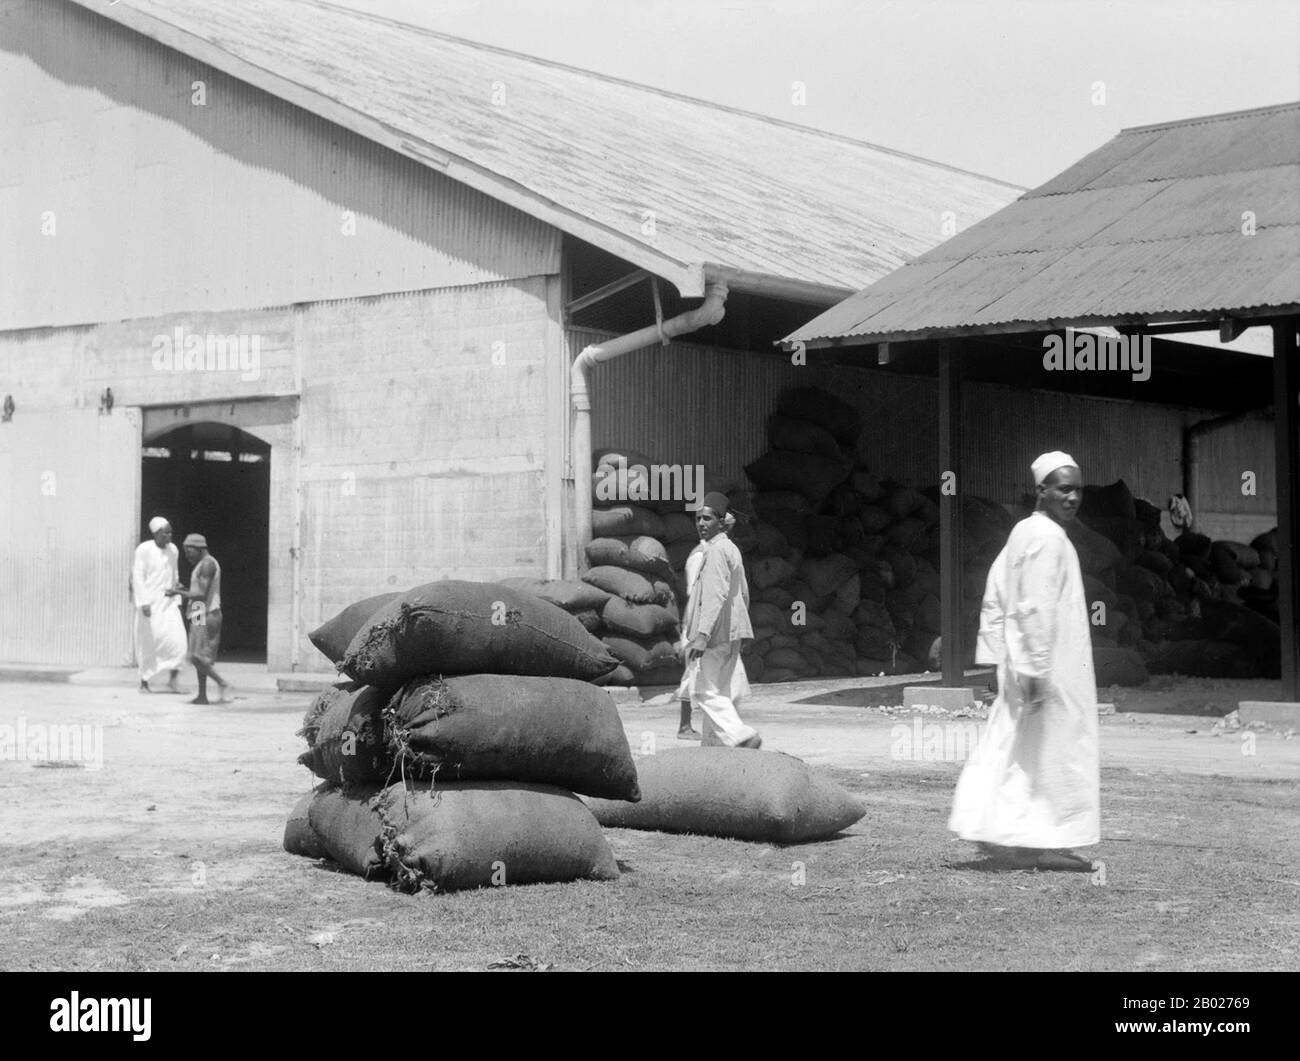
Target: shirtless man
x,y
204,596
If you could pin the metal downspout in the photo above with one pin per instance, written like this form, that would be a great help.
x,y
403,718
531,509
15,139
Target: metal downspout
x,y
710,311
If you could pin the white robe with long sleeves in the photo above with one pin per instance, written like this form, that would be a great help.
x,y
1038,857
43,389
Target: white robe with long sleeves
x,y
160,642
1034,778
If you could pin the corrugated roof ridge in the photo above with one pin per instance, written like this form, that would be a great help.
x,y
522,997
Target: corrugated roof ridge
x,y
1153,180
1206,119
921,259
826,134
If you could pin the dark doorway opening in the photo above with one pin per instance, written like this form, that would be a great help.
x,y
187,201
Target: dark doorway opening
x,y
215,480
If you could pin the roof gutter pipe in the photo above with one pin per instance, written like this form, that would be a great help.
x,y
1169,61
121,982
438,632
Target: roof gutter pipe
x,y
710,311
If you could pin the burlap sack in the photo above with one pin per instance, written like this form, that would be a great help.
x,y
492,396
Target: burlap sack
x,y
299,837
344,731
347,823
490,727
457,627
638,620
736,793
476,834
626,519
332,638
629,585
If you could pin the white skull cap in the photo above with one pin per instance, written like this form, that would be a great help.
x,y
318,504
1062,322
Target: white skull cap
x,y
1048,463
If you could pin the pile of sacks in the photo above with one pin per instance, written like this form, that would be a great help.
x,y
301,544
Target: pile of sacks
x,y
634,536
842,565
1186,605
452,758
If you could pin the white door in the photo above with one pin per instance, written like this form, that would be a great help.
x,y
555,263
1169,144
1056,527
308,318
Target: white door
x,y
69,519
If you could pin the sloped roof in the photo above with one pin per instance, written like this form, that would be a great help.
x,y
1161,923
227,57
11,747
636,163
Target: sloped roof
x,y
1153,226
755,200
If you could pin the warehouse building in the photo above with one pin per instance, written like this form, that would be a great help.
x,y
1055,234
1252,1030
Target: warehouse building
x,y
313,283
1167,229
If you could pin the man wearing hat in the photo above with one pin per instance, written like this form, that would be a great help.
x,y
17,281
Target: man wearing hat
x,y
204,596
1031,791
716,622
159,632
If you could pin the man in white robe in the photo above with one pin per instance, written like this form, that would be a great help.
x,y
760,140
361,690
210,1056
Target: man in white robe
x,y
160,642
1031,791
716,623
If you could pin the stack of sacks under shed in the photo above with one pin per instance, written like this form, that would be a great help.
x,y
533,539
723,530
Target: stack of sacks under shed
x,y
843,566
452,757
628,560
1186,605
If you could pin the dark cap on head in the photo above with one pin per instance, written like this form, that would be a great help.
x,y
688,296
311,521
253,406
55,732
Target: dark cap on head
x,y
717,502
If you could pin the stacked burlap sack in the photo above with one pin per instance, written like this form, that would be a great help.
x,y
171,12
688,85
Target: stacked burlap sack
x,y
451,758
628,559
1186,605
844,566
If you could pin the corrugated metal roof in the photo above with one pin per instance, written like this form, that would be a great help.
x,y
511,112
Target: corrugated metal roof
x,y
1152,224
588,153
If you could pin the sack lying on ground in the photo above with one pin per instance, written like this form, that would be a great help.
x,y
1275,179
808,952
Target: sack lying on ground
x,y
475,834
457,627
299,837
461,834
332,638
733,792
491,727
347,824
344,730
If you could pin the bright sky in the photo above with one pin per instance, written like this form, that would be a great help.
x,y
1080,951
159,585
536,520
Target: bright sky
x,y
1006,88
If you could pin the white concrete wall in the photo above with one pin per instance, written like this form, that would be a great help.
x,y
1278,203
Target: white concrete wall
x,y
415,455
422,456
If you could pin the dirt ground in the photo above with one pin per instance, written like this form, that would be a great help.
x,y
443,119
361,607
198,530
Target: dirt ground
x,y
168,857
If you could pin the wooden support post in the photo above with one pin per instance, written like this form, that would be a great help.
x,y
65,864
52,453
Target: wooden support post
x,y
1286,435
951,488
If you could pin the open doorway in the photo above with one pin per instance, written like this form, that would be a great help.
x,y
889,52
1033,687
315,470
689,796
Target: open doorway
x,y
214,479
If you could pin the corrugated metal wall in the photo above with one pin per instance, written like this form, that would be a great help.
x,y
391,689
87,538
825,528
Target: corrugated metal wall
x,y
160,205
696,405
69,505
1219,507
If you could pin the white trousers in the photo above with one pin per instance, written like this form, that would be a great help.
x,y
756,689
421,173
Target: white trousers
x,y
712,691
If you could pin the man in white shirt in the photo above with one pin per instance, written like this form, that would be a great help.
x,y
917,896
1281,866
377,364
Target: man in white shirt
x,y
159,632
1031,791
